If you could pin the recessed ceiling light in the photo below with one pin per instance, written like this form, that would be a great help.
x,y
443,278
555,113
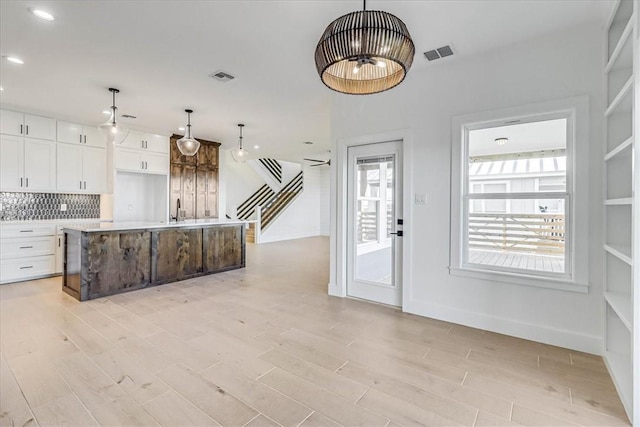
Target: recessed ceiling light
x,y
255,147
501,141
14,60
107,112
181,128
42,14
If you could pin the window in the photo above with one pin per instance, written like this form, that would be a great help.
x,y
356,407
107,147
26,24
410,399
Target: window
x,y
517,223
374,203
520,195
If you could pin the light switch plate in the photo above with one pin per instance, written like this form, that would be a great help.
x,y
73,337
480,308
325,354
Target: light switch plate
x,y
63,207
421,198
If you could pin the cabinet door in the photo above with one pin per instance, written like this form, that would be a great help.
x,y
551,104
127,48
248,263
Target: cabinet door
x,y
39,127
156,163
177,156
11,163
207,193
94,169
11,123
157,143
69,167
92,137
129,160
188,192
133,140
207,156
70,133
39,165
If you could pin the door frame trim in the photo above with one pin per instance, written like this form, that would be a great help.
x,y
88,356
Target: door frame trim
x,y
338,238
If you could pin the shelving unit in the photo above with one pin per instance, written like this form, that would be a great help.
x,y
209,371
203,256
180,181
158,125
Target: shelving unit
x,y
621,206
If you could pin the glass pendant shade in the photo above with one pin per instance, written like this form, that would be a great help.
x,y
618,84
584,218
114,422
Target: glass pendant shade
x,y
188,145
111,130
239,154
364,52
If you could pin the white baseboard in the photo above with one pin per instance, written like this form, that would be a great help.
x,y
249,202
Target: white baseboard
x,y
544,334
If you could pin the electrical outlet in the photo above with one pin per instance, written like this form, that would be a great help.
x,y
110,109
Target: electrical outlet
x,y
63,207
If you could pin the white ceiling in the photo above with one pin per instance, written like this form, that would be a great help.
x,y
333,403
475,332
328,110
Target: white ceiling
x,y
159,54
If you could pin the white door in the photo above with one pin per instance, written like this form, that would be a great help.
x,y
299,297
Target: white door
x,y
11,163
69,167
39,165
39,127
94,169
68,132
374,212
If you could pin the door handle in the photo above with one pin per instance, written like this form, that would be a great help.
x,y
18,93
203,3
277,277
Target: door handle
x,y
398,233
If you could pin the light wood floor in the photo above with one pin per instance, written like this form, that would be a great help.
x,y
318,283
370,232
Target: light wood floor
x,y
266,346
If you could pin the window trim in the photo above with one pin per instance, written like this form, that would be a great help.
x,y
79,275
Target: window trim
x,y
576,111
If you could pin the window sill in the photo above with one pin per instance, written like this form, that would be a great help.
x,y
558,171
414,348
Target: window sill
x,y
521,279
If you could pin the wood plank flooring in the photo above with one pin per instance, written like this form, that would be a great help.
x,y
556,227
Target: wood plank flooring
x,y
266,346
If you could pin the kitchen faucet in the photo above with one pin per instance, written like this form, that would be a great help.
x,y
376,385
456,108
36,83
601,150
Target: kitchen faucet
x,y
178,210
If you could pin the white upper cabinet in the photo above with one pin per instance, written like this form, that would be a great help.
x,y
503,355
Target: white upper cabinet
x,y
39,165
74,133
147,142
81,169
20,124
11,163
141,161
27,164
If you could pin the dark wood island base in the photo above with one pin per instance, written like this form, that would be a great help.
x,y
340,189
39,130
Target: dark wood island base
x,y
101,262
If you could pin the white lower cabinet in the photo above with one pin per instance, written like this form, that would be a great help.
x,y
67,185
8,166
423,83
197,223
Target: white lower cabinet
x,y
27,251
81,169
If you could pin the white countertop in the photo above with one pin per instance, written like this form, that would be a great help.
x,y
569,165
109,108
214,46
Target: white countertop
x,y
138,225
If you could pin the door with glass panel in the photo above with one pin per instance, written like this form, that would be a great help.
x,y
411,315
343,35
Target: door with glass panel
x,y
374,235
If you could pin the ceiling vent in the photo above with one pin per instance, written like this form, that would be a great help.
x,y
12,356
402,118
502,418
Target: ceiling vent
x,y
221,76
128,116
441,52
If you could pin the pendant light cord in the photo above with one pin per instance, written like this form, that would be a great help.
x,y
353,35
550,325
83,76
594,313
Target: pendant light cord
x,y
241,137
364,6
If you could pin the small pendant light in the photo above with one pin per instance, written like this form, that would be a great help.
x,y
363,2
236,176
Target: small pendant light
x,y
188,145
240,154
113,132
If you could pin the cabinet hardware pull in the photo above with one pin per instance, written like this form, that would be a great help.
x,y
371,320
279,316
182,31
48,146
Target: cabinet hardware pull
x,y
141,165
85,185
26,231
24,268
27,182
27,126
81,185
20,129
59,239
141,143
26,247
20,182
85,139
80,139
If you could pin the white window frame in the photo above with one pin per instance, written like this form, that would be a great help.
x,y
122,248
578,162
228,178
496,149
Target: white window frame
x,y
576,111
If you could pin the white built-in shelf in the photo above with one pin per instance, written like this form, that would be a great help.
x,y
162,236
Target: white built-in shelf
x,y
616,52
619,202
621,304
620,148
619,365
621,252
618,100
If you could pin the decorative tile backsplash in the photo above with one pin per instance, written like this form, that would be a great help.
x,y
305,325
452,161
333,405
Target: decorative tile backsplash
x,y
36,206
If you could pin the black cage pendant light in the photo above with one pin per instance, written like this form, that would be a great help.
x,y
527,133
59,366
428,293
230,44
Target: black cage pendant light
x,y
364,52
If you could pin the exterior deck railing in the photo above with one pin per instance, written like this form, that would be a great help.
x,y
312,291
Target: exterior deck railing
x,y
533,233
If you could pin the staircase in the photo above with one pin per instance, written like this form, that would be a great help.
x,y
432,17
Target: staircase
x,y
267,205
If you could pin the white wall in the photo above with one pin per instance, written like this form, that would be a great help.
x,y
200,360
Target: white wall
x,y
325,197
302,218
558,66
238,181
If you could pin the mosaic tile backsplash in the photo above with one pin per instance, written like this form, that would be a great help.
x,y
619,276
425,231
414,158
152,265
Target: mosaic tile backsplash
x,y
37,206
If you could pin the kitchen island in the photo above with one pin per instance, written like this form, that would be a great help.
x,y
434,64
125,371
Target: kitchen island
x,y
109,258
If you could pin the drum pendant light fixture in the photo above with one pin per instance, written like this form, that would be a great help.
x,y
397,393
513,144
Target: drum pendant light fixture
x,y
188,145
240,154
364,52
113,132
